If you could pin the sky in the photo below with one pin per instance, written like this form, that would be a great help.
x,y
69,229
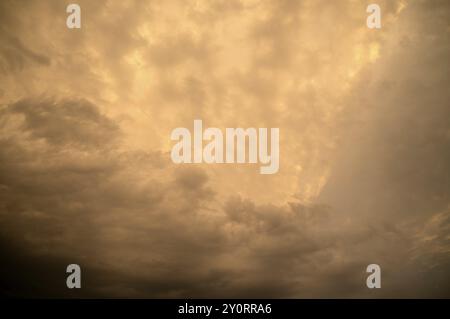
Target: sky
x,y
86,175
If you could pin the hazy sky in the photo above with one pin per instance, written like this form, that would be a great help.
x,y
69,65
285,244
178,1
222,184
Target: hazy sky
x,y
85,169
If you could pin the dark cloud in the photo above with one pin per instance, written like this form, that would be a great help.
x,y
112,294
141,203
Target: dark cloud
x,y
397,144
15,56
84,178
66,122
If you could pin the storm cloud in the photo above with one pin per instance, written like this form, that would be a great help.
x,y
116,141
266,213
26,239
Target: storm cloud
x,y
86,175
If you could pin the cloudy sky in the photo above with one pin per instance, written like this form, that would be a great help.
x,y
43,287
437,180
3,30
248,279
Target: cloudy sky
x,y
85,169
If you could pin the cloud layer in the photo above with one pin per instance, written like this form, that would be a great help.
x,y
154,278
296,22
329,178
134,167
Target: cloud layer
x,y
85,170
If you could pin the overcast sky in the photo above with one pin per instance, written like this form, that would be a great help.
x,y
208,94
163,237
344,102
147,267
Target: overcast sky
x,y
85,169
